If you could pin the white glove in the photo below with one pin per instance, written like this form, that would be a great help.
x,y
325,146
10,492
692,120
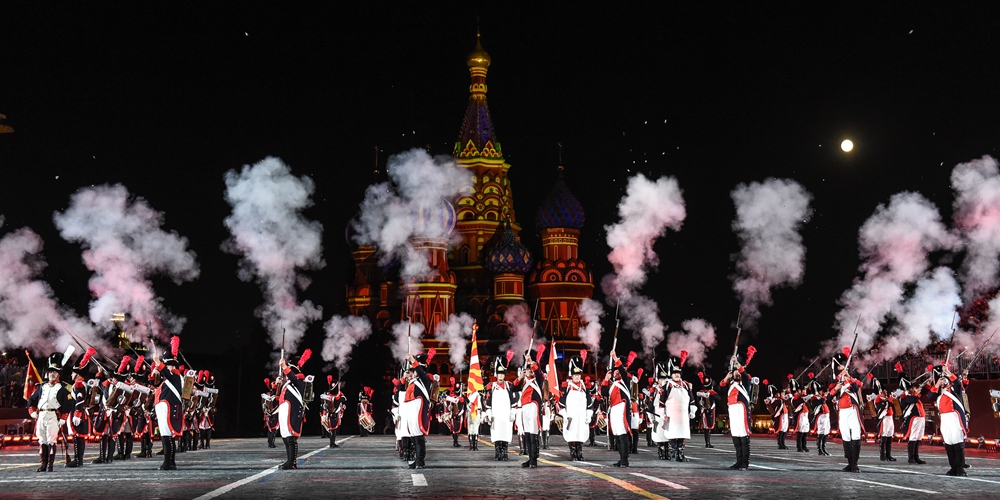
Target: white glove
x,y
34,415
871,397
76,420
62,422
692,411
590,415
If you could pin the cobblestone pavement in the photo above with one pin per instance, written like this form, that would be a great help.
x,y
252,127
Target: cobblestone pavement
x,y
368,468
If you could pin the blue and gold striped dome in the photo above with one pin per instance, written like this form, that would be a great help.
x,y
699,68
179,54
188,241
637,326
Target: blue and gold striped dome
x,y
560,209
509,255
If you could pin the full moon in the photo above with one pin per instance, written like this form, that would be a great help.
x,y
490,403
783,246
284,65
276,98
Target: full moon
x,y
847,145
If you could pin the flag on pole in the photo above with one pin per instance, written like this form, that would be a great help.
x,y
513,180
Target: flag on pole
x,y
475,383
553,376
31,378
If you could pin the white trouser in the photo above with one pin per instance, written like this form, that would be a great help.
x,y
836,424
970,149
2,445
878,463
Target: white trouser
x,y
783,423
738,425
802,424
952,431
887,427
916,429
528,420
822,424
163,419
850,426
47,427
283,409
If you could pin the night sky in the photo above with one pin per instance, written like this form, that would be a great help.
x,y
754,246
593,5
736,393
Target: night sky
x,y
165,101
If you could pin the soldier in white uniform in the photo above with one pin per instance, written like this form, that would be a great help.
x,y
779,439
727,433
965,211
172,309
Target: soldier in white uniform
x,y
576,410
499,398
676,397
657,412
50,406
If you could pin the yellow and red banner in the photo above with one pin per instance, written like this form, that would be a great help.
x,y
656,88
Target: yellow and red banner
x,y
31,378
475,383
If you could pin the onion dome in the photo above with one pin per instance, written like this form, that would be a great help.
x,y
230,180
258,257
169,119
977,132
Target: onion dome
x,y
509,255
435,220
478,58
560,209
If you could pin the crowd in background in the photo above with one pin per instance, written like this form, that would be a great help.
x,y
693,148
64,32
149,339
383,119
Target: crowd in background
x,y
11,382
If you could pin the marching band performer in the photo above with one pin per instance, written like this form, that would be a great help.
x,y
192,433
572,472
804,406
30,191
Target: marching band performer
x,y
169,405
800,413
206,424
913,416
268,399
332,412
657,412
954,428
779,413
883,412
635,421
530,398
454,411
79,419
738,384
365,410
50,405
849,416
707,401
416,408
499,401
291,408
575,409
403,444
676,399
141,421
619,405
821,417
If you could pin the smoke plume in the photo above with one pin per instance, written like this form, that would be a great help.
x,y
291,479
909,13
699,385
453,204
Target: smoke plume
x,y
414,203
455,332
522,329
591,312
407,339
697,338
646,212
977,220
276,242
124,245
931,309
769,216
30,317
894,245
342,334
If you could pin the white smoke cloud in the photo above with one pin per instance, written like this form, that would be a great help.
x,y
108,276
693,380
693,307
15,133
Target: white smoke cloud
x,y
415,203
406,337
769,216
124,245
977,220
591,312
646,211
30,317
894,243
342,334
456,332
522,328
276,243
697,337
931,309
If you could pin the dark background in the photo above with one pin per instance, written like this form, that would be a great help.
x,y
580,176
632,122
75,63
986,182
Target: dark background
x,y
165,99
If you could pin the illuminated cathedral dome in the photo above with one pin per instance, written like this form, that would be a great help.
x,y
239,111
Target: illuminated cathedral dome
x,y
560,209
435,220
478,58
509,255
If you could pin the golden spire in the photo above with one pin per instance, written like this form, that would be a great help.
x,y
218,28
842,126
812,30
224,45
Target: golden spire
x,y
478,58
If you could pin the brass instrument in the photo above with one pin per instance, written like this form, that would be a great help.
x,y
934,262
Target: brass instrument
x,y
559,422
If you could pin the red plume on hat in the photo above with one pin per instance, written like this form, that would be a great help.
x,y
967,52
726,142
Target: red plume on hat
x,y
899,367
684,357
631,357
430,354
369,391
751,351
638,373
701,377
870,376
811,375
329,380
650,380
395,381
790,376
586,379
175,345
930,368
764,382
86,357
306,354
124,366
539,353
452,380
583,356
846,351
267,382
510,355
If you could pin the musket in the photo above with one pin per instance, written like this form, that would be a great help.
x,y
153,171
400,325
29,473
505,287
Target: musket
x,y
409,327
736,345
80,342
534,327
807,368
983,348
282,341
614,343
847,364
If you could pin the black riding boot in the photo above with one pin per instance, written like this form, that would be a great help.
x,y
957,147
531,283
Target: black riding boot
x,y
43,457
129,442
798,441
805,442
270,439
208,438
634,442
623,444
333,439
531,441
420,443
888,449
454,441
738,444
166,453
745,444
959,460
661,451
680,451
916,453
545,440
881,449
649,437
708,438
950,451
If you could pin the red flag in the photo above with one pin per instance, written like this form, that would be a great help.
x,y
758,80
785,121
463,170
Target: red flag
x,y
475,382
553,376
31,378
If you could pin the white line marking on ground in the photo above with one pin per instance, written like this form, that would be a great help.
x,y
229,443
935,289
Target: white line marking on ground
x,y
765,467
931,474
892,486
231,486
589,463
418,479
77,479
661,481
547,454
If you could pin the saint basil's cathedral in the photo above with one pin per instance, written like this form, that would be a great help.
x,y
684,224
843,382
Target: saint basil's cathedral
x,y
483,269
